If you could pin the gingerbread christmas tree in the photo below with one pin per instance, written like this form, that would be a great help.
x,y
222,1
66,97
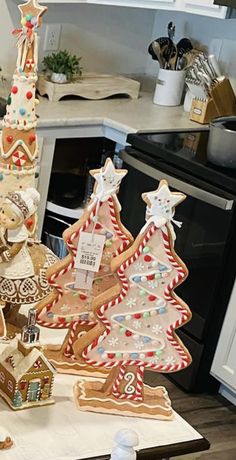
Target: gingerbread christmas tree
x,y
18,142
137,326
70,304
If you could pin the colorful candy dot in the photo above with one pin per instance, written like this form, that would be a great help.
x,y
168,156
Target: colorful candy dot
x,y
29,95
122,330
120,318
29,25
118,355
34,21
111,355
104,356
153,313
150,277
126,356
28,17
150,353
142,293
22,111
50,314
152,298
9,100
137,315
154,263
1,177
83,297
128,317
101,350
109,235
162,310
147,258
9,139
143,279
162,268
146,339
14,90
146,249
23,21
134,355
157,276
146,314
136,337
158,352
137,279
142,356
128,333
32,138
98,226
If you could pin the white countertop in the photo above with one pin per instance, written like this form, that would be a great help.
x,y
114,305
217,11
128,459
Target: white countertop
x,y
125,115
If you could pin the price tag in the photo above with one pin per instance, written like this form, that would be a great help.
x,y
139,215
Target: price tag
x,y
89,251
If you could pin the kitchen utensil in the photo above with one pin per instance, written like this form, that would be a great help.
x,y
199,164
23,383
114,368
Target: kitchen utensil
x,y
184,46
214,65
156,49
169,54
221,148
171,30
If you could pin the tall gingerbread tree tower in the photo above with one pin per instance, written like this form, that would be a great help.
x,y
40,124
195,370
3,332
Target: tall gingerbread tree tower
x,y
137,327
18,142
69,306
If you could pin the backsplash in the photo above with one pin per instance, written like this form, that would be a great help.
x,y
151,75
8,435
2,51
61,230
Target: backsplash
x,y
115,39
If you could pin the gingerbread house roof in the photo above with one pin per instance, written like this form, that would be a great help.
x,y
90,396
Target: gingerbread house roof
x,y
17,364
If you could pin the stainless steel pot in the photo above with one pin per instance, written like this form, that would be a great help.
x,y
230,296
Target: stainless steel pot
x,y
221,149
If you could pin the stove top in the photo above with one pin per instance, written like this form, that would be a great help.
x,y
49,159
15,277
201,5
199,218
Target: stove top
x,y
186,150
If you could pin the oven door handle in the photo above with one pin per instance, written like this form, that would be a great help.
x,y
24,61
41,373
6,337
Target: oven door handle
x,y
179,185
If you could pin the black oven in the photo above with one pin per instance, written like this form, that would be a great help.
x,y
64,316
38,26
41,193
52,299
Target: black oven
x,y
206,242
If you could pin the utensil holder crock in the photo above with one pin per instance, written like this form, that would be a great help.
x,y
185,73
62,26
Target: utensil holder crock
x,y
169,87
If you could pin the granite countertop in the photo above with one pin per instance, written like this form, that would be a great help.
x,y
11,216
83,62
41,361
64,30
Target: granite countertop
x,y
126,115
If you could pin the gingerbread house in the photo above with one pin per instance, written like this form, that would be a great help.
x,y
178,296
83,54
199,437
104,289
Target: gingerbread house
x,y
26,376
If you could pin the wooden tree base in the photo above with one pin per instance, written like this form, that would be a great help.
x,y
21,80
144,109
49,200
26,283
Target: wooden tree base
x,y
156,403
71,366
90,86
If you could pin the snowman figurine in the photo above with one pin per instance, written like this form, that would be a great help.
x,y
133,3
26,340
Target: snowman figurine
x,y
126,440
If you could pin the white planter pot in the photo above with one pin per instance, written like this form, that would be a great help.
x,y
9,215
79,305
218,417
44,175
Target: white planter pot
x,y
58,78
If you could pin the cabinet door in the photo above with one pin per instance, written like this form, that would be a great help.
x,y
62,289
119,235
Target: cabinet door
x,y
205,7
224,363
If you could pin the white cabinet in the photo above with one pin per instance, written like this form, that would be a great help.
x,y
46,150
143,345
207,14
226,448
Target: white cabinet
x,y
204,7
224,363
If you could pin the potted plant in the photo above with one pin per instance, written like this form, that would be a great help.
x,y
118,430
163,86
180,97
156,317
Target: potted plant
x,y
62,66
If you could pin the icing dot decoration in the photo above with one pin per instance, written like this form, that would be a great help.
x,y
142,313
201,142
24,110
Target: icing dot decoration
x,y
29,95
22,111
133,355
152,298
111,355
146,249
118,355
146,339
157,276
147,258
143,279
9,100
158,352
28,17
150,353
14,90
9,139
142,293
128,333
83,297
101,350
154,263
137,279
29,25
146,314
137,315
1,177
32,138
122,330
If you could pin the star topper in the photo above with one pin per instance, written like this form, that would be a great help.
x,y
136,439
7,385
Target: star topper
x,y
107,179
31,13
161,203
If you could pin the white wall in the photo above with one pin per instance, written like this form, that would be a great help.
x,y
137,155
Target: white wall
x,y
115,39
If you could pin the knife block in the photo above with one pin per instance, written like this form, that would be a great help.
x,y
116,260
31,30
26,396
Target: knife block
x,y
221,102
